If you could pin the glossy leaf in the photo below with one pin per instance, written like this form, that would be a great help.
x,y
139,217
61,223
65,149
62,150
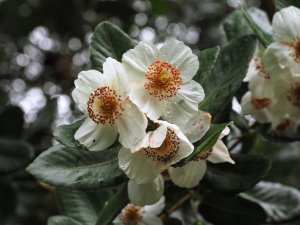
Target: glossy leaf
x,y
234,178
69,167
281,203
65,135
62,220
14,155
228,74
108,41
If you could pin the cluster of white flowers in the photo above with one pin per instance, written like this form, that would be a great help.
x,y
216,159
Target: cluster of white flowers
x,y
274,76
151,101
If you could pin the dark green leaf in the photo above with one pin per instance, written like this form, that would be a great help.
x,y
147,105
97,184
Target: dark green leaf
x,y
234,178
286,3
65,135
42,125
207,142
172,221
108,41
69,167
7,202
14,155
228,74
230,210
12,121
207,59
62,220
268,133
239,120
114,206
281,203
82,206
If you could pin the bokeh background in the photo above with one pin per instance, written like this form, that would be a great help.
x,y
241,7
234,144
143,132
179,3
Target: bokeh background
x,y
44,45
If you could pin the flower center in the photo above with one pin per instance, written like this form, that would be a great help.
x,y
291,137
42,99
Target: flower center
x,y
294,94
295,46
168,149
104,105
261,69
260,103
131,214
203,154
163,80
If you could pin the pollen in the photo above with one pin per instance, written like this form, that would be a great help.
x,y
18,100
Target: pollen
x,y
260,103
261,69
203,155
104,106
294,94
131,214
168,149
163,80
295,47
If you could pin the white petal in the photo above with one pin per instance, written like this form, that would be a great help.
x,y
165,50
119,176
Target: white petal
x,y
138,167
96,137
197,126
286,24
220,153
146,194
132,125
156,208
150,220
136,61
151,106
189,175
85,84
181,56
116,76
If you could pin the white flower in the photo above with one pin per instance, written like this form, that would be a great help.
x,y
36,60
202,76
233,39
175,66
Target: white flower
x,y
162,82
189,175
137,215
104,98
160,148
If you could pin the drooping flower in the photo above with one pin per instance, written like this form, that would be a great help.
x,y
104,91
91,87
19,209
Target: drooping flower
x,y
136,215
104,99
189,175
162,82
159,149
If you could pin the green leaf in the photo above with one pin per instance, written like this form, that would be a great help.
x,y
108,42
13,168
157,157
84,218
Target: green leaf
x,y
280,203
108,41
239,120
228,74
206,142
246,22
69,167
82,206
65,135
280,4
14,155
62,220
12,121
235,178
114,206
230,210
42,125
268,133
8,202
207,59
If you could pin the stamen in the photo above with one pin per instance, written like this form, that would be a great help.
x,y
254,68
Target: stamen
x,y
294,94
203,154
168,149
261,69
260,103
295,47
284,125
131,214
104,106
163,80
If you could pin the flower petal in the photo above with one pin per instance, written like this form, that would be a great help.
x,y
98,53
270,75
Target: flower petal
x,y
156,208
132,125
181,56
85,84
152,107
220,153
96,137
138,167
137,60
150,220
146,194
286,24
189,175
